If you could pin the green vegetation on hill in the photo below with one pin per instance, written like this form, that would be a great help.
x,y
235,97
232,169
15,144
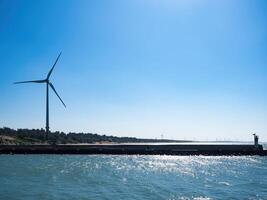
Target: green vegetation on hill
x,y
38,136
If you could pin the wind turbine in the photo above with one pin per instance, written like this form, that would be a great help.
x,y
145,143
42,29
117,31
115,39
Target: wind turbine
x,y
48,84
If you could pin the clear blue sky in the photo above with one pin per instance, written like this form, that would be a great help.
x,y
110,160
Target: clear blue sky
x,y
185,69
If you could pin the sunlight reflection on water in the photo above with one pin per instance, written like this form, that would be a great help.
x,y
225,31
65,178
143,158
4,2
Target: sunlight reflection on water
x,y
133,177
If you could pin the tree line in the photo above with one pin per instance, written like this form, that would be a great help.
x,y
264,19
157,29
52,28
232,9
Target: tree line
x,y
38,136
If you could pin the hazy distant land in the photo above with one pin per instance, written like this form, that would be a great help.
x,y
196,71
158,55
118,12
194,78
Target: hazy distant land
x,y
37,136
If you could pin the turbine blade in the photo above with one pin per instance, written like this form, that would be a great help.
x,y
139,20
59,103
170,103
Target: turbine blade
x,y
35,81
53,88
51,70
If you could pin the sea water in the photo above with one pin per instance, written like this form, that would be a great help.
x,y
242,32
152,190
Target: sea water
x,y
132,177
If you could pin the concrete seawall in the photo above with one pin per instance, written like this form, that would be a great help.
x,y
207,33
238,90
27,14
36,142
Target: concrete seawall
x,y
140,149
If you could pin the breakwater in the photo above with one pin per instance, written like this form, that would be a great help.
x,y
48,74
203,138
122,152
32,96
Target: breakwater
x,y
140,149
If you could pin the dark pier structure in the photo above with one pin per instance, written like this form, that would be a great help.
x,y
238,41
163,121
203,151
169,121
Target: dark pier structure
x,y
209,149
138,149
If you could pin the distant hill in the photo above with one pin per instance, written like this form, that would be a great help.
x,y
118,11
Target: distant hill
x,y
37,136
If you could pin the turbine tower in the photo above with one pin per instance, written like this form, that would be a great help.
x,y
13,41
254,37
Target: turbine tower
x,y
48,84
